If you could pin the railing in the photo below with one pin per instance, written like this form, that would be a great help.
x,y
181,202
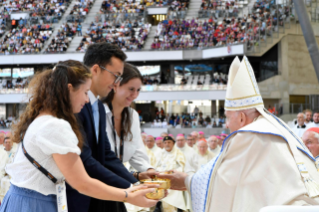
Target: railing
x,y
152,88
145,88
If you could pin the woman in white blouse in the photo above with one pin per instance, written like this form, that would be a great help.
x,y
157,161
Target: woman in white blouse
x,y
51,136
123,124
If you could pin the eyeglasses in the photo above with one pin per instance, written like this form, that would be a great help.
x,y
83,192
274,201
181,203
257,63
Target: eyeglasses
x,y
118,78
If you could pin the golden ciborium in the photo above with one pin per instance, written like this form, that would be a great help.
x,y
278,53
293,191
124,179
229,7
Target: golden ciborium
x,y
159,192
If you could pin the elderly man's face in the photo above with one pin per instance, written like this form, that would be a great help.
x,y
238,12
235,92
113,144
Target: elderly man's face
x,y
233,120
144,138
300,119
160,143
202,147
150,142
311,142
195,136
212,142
190,141
308,116
315,117
168,145
2,138
8,144
201,136
180,141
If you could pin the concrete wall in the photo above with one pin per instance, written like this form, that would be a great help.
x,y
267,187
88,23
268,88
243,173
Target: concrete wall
x,y
296,72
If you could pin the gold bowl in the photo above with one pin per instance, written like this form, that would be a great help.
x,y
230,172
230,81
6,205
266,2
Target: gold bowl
x,y
157,194
163,183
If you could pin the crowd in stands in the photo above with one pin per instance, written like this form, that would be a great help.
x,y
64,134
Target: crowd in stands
x,y
37,8
80,9
5,123
64,36
218,8
128,35
150,81
15,83
134,6
25,39
195,33
188,120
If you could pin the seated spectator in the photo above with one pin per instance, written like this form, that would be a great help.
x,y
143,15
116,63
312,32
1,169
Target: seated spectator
x,y
60,43
124,35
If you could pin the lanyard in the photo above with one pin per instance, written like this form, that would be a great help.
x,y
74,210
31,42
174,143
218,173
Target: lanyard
x,y
114,136
38,166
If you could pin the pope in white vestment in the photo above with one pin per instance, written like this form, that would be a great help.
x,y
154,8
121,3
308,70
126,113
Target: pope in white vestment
x,y
261,163
171,158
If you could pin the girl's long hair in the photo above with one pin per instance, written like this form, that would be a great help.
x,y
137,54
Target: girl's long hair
x,y
49,91
130,72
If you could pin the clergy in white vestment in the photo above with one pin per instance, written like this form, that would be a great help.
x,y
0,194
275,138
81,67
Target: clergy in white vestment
x,y
219,140
213,145
308,118
4,177
201,134
196,139
203,155
315,122
190,140
261,163
150,144
190,155
191,162
171,158
300,127
14,145
159,142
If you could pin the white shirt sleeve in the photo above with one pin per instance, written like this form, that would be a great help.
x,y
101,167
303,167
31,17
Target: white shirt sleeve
x,y
63,142
139,160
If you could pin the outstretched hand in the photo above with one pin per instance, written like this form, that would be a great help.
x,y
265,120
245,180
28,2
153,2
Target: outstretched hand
x,y
136,196
177,180
148,174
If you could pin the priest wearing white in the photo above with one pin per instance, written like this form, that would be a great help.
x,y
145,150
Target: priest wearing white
x,y
203,155
159,142
150,144
300,127
261,163
315,118
196,139
190,140
171,158
190,155
213,145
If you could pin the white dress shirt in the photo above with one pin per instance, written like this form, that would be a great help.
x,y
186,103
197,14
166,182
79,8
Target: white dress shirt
x,y
93,99
134,150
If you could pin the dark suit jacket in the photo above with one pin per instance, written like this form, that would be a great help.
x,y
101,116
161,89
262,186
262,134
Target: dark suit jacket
x,y
99,160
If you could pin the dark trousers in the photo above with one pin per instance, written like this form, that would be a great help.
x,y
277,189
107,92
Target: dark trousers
x,y
97,205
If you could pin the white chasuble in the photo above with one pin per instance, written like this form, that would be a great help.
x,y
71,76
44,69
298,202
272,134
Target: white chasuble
x,y
255,168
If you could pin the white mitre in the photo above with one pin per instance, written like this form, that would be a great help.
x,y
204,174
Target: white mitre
x,y
243,93
242,89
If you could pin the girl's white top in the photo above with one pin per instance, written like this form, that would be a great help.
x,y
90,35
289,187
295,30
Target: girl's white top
x,y
45,136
